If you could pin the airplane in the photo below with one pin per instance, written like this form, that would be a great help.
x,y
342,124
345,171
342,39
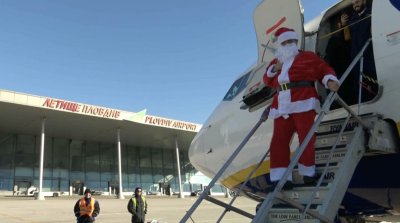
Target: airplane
x,y
375,184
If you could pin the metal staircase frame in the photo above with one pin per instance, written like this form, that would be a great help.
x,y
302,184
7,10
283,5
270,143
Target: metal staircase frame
x,y
205,193
262,214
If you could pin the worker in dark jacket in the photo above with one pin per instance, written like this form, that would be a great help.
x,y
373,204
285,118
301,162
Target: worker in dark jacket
x,y
359,24
86,208
137,206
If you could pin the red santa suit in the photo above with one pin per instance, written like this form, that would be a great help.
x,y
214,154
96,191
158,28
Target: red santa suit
x,y
294,108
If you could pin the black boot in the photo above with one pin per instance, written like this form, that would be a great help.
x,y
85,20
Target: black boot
x,y
310,181
287,186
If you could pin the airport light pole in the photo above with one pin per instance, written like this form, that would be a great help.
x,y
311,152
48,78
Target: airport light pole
x,y
179,168
120,195
40,195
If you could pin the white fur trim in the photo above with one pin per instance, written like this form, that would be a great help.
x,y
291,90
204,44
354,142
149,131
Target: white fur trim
x,y
284,101
306,170
269,71
295,107
287,36
284,76
277,174
284,97
329,77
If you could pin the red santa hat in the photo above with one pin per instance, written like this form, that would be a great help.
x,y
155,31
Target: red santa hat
x,y
283,34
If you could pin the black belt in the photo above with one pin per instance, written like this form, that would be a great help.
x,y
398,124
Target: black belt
x,y
287,86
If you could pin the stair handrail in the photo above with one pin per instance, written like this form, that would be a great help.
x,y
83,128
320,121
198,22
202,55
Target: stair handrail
x,y
203,195
244,184
351,114
318,185
357,58
268,202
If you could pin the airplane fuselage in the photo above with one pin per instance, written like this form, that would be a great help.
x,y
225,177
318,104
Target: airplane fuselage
x,y
228,125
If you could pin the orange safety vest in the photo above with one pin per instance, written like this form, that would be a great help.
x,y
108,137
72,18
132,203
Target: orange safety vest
x,y
86,209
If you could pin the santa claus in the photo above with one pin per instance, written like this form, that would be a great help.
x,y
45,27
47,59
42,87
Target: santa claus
x,y
293,74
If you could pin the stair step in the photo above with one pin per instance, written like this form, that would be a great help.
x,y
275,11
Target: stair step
x,y
332,127
326,199
328,178
288,215
287,206
321,156
329,140
302,194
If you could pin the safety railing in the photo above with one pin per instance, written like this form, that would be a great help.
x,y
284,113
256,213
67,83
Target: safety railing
x,y
268,202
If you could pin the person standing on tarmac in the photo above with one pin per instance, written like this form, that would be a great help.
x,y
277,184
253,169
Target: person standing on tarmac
x,y
137,206
86,208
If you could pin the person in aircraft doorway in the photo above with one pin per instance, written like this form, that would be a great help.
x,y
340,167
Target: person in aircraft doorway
x,y
338,57
359,24
86,208
137,206
293,74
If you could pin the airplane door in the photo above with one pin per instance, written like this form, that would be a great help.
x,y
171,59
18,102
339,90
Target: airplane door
x,y
386,37
269,16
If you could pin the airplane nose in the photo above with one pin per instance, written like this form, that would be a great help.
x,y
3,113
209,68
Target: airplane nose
x,y
197,151
202,149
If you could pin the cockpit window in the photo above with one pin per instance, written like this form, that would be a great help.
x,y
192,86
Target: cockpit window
x,y
237,87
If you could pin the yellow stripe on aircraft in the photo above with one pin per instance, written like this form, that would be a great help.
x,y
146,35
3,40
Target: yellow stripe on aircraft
x,y
240,176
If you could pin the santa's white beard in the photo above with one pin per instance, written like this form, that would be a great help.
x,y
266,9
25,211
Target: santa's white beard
x,y
286,52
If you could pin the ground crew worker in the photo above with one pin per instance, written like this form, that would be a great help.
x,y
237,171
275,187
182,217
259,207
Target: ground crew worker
x,y
86,208
137,206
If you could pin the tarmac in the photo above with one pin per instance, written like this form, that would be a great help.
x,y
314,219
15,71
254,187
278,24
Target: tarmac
x,y
162,209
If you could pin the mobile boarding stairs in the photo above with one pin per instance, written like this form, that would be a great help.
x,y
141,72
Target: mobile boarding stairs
x,y
340,145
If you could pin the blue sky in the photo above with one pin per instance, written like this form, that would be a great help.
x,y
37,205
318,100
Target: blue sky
x,y
175,58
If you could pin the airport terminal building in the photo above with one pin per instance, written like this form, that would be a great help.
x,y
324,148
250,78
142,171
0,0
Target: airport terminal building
x,y
65,146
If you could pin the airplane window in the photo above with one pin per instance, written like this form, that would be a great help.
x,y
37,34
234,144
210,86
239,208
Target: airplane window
x,y
237,87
